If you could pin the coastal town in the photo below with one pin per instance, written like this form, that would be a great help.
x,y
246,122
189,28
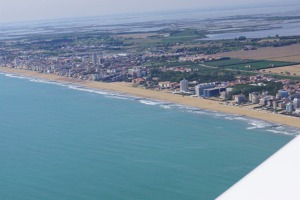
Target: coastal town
x,y
143,100
218,70
254,94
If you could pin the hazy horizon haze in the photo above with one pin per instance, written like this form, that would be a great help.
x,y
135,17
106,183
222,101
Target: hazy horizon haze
x,y
26,10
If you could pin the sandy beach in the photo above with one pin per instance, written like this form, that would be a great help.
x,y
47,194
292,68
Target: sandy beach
x,y
164,96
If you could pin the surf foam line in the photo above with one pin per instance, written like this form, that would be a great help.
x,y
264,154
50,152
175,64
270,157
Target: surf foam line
x,y
252,122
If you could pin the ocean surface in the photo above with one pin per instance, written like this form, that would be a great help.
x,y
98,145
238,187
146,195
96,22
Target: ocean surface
x,y
66,142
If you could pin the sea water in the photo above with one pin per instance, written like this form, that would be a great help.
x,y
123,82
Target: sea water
x,y
62,141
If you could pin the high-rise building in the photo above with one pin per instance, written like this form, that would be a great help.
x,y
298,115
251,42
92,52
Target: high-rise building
x,y
100,59
135,72
254,97
240,98
200,88
289,107
94,59
296,103
16,61
213,92
184,85
263,101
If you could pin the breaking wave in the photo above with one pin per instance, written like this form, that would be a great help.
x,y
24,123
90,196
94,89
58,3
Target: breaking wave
x,y
252,123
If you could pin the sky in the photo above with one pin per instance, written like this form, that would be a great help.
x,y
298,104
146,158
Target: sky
x,y
24,10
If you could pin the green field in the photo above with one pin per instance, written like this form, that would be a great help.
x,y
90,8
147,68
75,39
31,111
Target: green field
x,y
248,65
187,35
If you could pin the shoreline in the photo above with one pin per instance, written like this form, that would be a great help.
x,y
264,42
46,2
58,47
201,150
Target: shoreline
x,y
126,88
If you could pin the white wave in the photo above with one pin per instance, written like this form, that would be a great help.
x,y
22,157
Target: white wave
x,y
16,76
79,88
125,96
166,106
278,132
267,126
116,97
230,118
199,112
241,118
287,132
256,124
183,107
221,115
36,80
72,86
47,82
97,91
207,113
149,102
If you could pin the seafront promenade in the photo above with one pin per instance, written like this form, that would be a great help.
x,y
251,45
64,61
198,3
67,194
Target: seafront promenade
x,y
168,97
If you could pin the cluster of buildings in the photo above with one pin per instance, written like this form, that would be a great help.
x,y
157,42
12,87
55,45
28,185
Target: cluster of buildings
x,y
89,66
176,69
161,53
208,90
284,100
88,62
199,57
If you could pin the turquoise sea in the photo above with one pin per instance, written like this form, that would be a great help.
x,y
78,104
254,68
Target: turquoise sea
x,y
65,142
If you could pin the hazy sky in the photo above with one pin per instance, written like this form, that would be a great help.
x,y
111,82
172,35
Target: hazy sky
x,y
22,10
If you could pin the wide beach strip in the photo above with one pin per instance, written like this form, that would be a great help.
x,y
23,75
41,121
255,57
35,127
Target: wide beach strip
x,y
160,95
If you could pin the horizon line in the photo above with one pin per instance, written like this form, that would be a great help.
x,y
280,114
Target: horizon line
x,y
160,12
